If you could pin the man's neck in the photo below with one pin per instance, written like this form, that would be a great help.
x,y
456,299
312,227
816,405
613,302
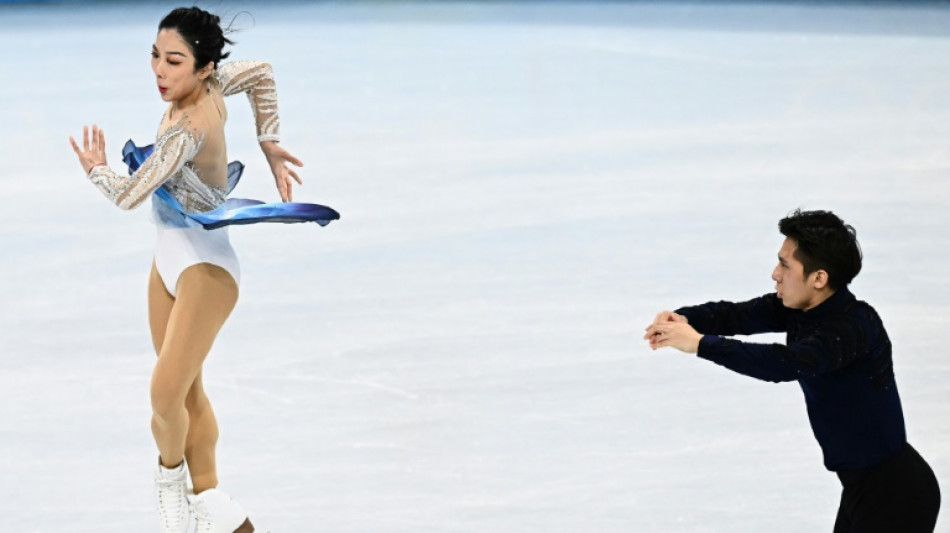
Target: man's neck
x,y
819,299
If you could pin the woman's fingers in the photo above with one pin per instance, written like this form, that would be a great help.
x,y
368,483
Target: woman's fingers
x,y
290,158
97,139
93,151
279,159
75,146
282,188
285,178
295,176
96,142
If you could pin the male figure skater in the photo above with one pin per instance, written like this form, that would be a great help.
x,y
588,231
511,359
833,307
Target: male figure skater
x,y
838,351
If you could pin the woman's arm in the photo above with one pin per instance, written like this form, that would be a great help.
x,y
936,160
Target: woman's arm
x,y
257,80
173,149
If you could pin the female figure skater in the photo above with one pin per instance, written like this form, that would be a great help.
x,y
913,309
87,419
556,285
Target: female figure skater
x,y
193,285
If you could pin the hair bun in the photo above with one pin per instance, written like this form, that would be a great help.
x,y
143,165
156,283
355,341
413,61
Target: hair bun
x,y
201,30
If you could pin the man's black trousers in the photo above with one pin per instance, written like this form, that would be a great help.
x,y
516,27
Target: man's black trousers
x,y
898,495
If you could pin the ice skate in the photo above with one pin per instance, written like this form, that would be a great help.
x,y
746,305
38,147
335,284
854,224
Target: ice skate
x,y
216,512
171,485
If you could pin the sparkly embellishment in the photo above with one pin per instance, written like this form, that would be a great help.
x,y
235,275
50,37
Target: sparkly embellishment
x,y
173,150
171,164
192,193
257,80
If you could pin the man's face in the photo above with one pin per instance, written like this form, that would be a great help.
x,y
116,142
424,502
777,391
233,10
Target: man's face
x,y
795,289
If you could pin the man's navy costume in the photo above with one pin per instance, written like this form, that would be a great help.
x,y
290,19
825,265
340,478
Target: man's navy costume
x,y
840,354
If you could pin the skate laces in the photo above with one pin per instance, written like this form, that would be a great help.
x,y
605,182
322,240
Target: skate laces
x,y
202,516
172,504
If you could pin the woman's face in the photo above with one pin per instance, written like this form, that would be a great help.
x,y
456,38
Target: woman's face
x,y
174,65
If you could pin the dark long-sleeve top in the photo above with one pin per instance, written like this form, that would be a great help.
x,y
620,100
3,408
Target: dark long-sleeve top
x,y
838,352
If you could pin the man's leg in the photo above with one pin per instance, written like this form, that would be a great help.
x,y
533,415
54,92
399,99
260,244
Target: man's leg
x,y
899,495
842,523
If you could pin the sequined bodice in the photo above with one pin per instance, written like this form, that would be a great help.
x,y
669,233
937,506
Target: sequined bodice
x,y
192,193
172,165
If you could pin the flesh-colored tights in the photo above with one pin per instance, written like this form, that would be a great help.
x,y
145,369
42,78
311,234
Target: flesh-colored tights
x,y
183,330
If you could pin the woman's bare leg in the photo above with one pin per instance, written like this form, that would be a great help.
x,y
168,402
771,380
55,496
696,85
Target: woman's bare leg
x,y
183,331
202,438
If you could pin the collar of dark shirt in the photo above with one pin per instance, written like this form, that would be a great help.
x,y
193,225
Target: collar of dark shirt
x,y
831,305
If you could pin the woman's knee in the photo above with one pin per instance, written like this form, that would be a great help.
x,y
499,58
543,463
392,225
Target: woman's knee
x,y
167,399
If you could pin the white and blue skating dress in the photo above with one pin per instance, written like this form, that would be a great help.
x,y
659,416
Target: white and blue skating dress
x,y
192,216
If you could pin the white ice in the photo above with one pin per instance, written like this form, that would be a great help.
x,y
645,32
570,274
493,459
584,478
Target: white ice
x,y
522,188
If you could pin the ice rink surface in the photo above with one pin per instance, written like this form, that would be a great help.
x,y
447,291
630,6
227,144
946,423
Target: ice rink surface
x,y
522,188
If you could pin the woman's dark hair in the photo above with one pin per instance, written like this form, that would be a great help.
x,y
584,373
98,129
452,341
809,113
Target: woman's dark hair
x,y
201,30
824,242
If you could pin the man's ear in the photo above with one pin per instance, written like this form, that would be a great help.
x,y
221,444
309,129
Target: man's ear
x,y
820,279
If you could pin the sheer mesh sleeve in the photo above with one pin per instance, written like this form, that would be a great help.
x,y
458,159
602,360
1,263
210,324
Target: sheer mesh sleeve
x,y
257,80
173,149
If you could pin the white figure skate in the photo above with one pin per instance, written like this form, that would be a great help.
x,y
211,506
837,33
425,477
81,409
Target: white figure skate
x,y
171,485
216,512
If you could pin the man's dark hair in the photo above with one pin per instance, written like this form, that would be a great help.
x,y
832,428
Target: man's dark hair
x,y
826,243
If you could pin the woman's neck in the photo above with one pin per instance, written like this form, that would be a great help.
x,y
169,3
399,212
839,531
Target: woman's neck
x,y
182,105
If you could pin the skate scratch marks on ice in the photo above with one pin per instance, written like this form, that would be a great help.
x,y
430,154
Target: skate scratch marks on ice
x,y
348,382
233,384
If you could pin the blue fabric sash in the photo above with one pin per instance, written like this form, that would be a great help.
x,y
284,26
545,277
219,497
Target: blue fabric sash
x,y
234,210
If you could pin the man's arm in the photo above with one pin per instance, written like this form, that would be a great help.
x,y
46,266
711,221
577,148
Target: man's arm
x,y
832,346
759,315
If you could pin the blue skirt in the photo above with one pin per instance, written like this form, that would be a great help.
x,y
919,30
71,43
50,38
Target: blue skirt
x,y
234,210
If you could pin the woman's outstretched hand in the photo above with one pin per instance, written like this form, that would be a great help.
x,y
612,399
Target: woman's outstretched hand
x,y
93,152
285,176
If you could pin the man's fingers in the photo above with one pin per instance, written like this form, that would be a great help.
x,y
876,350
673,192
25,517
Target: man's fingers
x,y
75,146
652,332
662,316
85,138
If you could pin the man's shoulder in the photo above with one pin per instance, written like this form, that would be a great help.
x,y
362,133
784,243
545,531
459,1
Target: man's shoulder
x,y
862,312
857,306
